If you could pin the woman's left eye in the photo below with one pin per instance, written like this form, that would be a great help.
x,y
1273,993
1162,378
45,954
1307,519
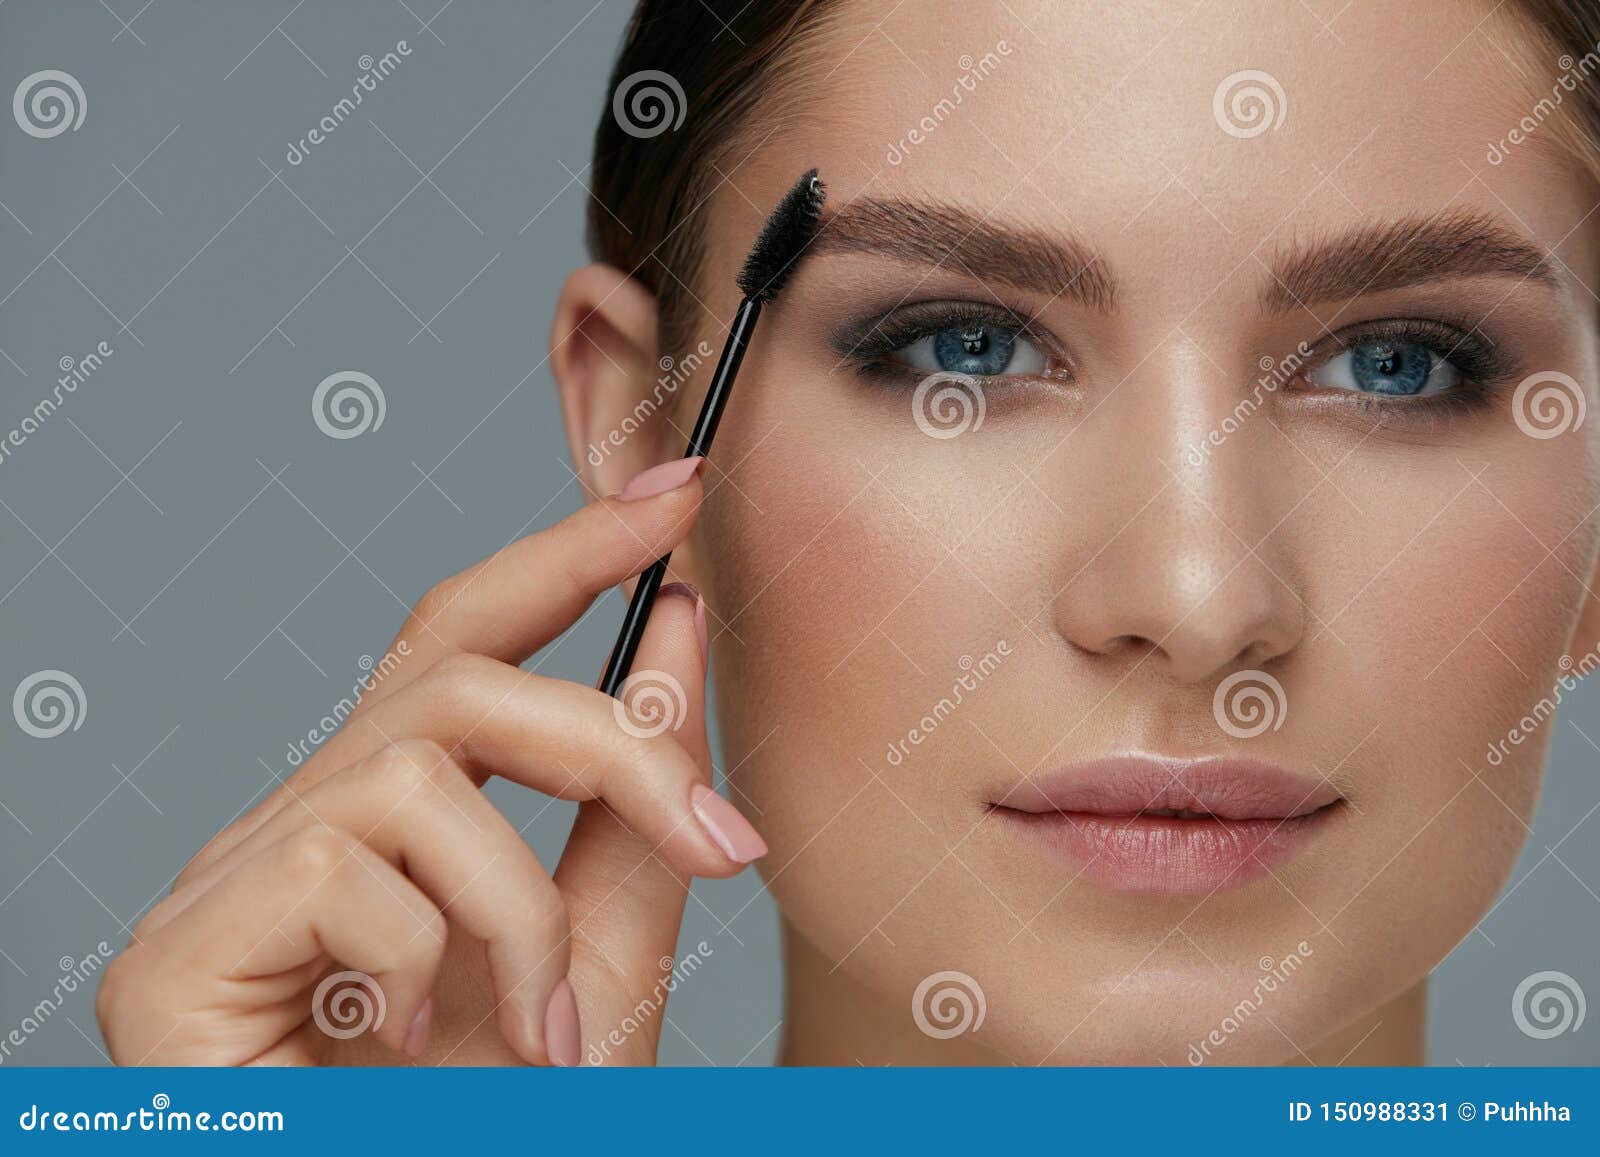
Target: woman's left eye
x,y
978,349
1387,367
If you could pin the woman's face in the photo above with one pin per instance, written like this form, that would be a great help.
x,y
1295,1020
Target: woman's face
x,y
1243,421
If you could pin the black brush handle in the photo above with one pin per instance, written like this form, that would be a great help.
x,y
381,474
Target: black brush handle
x,y
705,429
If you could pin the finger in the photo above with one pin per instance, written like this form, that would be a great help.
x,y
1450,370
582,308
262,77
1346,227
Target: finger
x,y
518,599
624,899
251,944
419,809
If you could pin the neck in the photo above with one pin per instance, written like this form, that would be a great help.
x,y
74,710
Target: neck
x,y
831,1019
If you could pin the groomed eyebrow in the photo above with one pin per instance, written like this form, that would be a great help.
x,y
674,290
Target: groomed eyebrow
x,y
1395,254
941,235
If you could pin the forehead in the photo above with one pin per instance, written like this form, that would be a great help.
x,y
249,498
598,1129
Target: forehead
x,y
1230,128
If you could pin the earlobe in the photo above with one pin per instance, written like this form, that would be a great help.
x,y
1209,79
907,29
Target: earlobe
x,y
603,355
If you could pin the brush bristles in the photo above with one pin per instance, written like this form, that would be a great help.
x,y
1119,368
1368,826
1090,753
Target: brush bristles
x,y
783,239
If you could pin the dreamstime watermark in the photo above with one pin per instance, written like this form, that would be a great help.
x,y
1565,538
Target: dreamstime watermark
x,y
1249,703
74,372
947,404
973,72
49,103
372,71
1573,73
1248,103
160,1117
650,703
300,750
973,673
74,974
948,1004
650,1006
49,703
347,1004
649,103
1548,404
1274,373
673,374
1572,672
1548,1004
347,404
1274,974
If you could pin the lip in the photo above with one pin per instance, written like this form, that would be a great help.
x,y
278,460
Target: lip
x,y
1170,826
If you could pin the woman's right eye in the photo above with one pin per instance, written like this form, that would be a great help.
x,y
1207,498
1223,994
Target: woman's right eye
x,y
977,349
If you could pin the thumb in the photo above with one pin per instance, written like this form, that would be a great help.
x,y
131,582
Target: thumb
x,y
626,902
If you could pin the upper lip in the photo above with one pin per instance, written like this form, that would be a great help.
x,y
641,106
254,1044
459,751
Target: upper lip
x,y
1133,785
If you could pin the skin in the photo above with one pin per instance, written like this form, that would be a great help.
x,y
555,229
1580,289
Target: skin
x,y
1412,583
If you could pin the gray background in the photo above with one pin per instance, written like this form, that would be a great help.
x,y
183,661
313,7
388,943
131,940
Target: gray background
x,y
183,540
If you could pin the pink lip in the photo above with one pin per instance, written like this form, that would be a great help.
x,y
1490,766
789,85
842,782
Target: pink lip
x,y
1238,820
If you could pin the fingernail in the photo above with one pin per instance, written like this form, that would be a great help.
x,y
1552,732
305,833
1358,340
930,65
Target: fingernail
x,y
561,1041
417,1034
688,591
660,479
729,830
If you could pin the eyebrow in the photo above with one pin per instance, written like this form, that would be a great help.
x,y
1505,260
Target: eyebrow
x,y
930,233
1395,254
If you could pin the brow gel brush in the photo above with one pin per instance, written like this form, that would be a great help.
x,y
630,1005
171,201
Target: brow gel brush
x,y
777,250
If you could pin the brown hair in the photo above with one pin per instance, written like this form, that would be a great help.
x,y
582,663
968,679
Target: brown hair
x,y
650,188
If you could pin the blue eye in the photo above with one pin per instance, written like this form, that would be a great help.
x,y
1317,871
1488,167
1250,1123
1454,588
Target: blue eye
x,y
1388,367
979,349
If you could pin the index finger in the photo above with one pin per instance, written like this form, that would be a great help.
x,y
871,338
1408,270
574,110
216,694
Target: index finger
x,y
524,595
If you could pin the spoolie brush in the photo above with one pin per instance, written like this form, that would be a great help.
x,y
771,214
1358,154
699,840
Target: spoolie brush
x,y
778,249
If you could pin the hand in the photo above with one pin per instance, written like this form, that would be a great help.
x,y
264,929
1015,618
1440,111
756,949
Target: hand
x,y
381,858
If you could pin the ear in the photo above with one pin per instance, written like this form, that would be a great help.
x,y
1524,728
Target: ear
x,y
603,355
620,419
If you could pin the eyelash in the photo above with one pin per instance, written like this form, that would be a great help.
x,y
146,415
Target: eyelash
x,y
868,345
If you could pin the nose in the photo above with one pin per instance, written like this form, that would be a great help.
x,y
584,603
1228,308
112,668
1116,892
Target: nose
x,y
1183,562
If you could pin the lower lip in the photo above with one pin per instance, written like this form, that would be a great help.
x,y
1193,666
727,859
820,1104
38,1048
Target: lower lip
x,y
1162,855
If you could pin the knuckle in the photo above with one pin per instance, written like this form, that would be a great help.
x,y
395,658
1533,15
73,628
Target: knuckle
x,y
314,853
458,674
436,601
409,765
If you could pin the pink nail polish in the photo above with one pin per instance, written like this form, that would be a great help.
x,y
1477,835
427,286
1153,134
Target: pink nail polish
x,y
660,479
417,1034
562,1043
688,591
729,830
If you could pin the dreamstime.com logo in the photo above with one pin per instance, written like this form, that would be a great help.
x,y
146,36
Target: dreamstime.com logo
x,y
49,103
347,1004
160,1117
1249,703
372,71
674,372
947,404
650,703
1249,103
948,1004
1548,1004
1548,404
348,404
49,703
973,72
649,103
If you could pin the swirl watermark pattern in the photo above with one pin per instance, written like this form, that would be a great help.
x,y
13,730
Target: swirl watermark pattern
x,y
651,703
1548,404
49,703
1249,703
947,1004
1548,1004
649,103
49,103
947,404
348,404
347,1004
1249,103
